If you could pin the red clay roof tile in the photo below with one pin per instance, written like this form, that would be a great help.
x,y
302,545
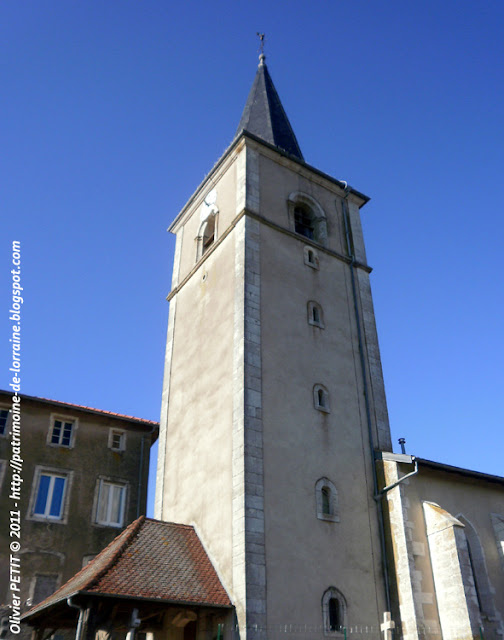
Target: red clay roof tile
x,y
149,559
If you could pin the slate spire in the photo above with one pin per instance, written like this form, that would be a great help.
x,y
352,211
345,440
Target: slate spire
x,y
264,115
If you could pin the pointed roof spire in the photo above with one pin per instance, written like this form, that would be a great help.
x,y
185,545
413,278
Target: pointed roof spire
x,y
264,115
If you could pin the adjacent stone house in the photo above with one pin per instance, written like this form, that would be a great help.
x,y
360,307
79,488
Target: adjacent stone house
x,y
85,477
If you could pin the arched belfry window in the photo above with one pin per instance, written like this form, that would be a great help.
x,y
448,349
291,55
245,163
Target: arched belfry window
x,y
333,612
307,218
326,499
321,398
304,222
207,235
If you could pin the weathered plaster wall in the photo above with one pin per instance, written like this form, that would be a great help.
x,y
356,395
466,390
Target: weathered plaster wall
x,y
59,547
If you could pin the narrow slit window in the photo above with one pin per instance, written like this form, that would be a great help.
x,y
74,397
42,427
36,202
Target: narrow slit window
x,y
315,314
334,615
326,498
311,258
333,611
326,501
321,398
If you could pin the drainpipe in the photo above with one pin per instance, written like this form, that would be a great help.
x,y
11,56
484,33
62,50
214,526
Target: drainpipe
x,y
381,524
140,473
394,484
80,623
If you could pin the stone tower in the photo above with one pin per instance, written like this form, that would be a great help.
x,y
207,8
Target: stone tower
x,y
273,396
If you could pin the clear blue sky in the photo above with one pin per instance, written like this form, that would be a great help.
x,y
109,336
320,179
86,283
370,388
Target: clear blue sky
x,y
112,112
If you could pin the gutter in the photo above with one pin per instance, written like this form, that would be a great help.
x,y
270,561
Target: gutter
x,y
381,524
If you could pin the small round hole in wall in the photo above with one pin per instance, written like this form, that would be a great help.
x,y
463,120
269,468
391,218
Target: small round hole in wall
x,y
205,276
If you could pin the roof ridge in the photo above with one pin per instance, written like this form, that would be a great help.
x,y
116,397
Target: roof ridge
x,y
84,407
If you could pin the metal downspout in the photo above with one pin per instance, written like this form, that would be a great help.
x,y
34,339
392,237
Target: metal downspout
x,y
381,524
382,493
140,473
80,623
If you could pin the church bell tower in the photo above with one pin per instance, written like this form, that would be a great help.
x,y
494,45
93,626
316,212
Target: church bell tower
x,y
273,395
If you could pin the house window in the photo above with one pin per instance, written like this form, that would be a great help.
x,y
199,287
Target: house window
x,y
117,440
50,495
62,432
321,398
4,421
311,258
333,612
315,314
111,504
43,586
326,498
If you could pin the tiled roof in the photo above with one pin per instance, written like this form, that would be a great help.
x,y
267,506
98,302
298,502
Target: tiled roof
x,y
82,407
264,115
151,560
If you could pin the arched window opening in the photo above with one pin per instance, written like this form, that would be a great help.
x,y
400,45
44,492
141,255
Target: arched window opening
x,y
326,496
333,612
307,218
315,314
209,234
334,615
311,258
321,398
303,222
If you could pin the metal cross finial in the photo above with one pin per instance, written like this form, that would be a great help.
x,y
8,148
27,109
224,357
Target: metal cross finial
x,y
261,38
